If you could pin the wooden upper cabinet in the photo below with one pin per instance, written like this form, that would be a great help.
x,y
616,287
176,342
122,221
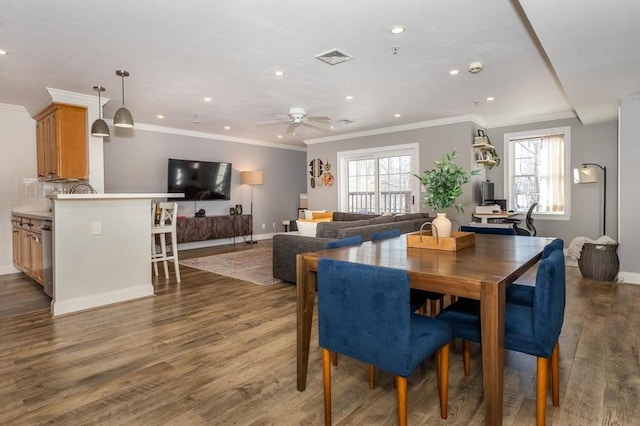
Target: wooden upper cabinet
x,y
61,137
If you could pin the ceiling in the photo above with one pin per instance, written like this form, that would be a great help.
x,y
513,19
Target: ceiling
x,y
541,58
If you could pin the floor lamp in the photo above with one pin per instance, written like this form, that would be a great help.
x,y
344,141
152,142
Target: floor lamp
x,y
588,174
251,178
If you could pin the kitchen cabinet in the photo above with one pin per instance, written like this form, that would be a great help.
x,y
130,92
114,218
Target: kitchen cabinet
x,y
61,142
17,241
27,247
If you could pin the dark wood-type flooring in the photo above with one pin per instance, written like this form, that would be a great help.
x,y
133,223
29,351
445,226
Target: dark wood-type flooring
x,y
219,351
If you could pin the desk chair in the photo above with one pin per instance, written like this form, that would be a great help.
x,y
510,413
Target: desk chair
x,y
533,330
163,222
531,230
363,312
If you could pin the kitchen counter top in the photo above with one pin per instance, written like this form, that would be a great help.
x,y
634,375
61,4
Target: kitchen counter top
x,y
33,214
116,196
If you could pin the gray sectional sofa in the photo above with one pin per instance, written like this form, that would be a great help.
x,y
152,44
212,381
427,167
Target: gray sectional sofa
x,y
287,246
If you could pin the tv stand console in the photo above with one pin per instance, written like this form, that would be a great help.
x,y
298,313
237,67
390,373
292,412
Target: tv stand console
x,y
192,229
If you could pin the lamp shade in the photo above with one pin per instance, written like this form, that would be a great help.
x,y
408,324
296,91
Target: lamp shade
x,y
123,118
585,175
99,128
251,178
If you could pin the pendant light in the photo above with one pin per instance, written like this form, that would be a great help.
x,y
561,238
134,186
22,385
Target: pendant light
x,y
99,127
123,117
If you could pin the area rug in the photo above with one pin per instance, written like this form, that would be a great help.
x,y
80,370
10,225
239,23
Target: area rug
x,y
253,265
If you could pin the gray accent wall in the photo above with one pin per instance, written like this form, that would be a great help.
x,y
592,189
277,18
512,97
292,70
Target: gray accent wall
x,y
434,143
595,143
137,162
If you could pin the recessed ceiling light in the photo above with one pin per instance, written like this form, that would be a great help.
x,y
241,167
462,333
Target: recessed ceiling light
x,y
279,136
490,98
454,72
160,116
398,29
278,73
349,97
207,99
227,127
397,115
3,52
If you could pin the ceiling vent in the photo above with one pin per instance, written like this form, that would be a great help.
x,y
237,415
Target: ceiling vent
x,y
345,121
334,57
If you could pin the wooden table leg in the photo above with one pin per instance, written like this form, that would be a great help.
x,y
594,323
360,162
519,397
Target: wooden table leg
x,y
492,301
306,293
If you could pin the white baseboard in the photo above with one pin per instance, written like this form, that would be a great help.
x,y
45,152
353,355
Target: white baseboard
x,y
629,277
60,307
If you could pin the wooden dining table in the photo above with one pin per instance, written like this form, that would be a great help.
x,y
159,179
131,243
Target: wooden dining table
x,y
482,272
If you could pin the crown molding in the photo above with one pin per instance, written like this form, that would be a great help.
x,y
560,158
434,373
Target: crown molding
x,y
211,136
13,108
401,128
73,98
560,115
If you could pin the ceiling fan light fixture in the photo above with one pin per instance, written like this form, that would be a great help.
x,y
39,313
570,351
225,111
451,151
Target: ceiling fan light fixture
x,y
123,117
99,128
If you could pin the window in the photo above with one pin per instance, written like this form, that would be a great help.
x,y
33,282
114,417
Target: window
x,y
537,171
378,180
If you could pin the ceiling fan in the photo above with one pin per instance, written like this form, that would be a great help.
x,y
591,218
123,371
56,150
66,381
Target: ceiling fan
x,y
298,117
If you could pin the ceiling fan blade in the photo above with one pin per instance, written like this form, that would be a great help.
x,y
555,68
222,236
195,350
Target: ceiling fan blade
x,y
271,123
292,127
318,125
319,118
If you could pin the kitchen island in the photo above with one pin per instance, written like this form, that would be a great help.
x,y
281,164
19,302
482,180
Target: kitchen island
x,y
101,249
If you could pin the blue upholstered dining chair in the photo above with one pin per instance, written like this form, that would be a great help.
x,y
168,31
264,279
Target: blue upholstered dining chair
x,y
363,312
344,242
348,241
384,235
533,330
520,294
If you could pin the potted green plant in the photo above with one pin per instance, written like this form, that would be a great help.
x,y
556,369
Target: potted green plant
x,y
443,186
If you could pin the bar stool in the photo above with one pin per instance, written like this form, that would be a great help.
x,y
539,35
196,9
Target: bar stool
x,y
163,222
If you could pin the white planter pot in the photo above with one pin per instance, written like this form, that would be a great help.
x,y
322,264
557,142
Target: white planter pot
x,y
442,225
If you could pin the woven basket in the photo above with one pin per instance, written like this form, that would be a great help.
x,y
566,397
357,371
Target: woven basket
x,y
599,261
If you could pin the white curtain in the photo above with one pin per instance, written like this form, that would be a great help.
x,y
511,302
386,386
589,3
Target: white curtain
x,y
551,174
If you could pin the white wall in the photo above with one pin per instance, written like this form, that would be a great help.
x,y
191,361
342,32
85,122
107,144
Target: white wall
x,y
17,162
629,184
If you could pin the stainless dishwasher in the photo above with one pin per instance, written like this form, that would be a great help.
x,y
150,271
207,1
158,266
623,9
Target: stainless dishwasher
x,y
47,257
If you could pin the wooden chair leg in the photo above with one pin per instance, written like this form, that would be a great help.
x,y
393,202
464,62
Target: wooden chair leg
x,y
466,357
441,303
443,379
326,380
174,253
372,376
334,358
433,309
555,375
423,309
541,390
453,298
401,383
163,247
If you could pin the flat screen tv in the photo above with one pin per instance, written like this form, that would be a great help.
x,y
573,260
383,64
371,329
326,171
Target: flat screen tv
x,y
199,180
486,193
